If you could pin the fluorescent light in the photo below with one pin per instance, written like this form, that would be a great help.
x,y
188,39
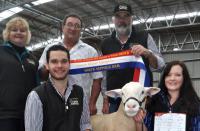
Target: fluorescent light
x,y
104,27
39,2
44,44
135,22
27,5
10,12
7,13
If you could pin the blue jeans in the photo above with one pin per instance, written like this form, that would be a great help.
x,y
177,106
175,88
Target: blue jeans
x,y
114,104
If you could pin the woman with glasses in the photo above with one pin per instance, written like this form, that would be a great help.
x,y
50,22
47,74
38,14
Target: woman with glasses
x,y
18,69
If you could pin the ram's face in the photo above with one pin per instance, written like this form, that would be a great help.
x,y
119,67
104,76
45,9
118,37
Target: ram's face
x,y
133,95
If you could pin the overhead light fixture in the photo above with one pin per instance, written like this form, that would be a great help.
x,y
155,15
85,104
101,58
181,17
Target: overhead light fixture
x,y
176,49
39,2
156,19
10,12
135,22
44,44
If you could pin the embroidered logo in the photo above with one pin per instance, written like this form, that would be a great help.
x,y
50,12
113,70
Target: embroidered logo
x,y
31,61
123,7
74,101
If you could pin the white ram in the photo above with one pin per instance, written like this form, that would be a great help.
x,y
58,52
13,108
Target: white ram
x,y
133,95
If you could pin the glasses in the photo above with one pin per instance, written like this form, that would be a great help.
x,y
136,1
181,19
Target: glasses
x,y
74,26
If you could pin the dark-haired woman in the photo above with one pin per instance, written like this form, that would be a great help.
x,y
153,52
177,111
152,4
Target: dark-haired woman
x,y
177,95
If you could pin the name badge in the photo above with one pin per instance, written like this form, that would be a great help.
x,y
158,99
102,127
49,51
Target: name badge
x,y
170,122
74,101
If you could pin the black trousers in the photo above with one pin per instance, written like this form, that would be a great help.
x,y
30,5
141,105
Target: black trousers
x,y
12,124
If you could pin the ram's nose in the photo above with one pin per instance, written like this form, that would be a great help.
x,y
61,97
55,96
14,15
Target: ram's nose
x,y
130,106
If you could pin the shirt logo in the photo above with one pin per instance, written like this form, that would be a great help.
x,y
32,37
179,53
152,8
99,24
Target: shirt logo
x,y
74,101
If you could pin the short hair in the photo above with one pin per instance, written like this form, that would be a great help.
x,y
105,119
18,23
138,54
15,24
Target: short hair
x,y
72,15
16,22
57,48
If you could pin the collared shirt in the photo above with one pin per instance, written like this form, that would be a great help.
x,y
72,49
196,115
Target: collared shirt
x,y
34,111
79,51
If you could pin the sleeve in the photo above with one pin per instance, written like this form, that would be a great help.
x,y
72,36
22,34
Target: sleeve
x,y
103,84
152,46
196,123
85,117
148,121
95,75
43,60
33,113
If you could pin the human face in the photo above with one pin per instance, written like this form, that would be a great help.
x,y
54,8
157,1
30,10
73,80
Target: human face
x,y
174,79
18,36
58,65
72,29
123,22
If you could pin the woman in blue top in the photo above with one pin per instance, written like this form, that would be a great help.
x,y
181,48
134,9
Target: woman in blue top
x,y
177,95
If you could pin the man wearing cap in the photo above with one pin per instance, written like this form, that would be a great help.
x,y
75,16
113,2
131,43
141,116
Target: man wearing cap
x,y
126,37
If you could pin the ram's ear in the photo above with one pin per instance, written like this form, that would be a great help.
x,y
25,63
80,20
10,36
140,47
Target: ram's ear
x,y
151,90
114,93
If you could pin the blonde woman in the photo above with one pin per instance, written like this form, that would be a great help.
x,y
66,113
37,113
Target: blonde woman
x,y
17,74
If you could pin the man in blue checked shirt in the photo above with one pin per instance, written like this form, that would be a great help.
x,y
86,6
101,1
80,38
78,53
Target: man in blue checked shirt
x,y
58,104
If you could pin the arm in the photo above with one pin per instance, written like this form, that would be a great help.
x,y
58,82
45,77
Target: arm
x,y
85,117
138,118
105,108
96,88
153,48
33,113
196,122
139,50
156,60
43,73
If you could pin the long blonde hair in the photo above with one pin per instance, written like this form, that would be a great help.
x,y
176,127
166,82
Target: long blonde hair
x,y
14,22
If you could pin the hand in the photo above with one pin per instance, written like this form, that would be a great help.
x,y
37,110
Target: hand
x,y
105,109
139,117
139,50
93,108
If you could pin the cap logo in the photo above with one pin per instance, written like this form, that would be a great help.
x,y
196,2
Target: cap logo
x,y
123,7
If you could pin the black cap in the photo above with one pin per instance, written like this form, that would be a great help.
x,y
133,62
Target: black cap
x,y
123,7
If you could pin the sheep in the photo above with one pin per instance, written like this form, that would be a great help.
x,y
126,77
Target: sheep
x,y
133,95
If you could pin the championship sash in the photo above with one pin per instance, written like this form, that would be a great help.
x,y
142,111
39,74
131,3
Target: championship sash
x,y
119,60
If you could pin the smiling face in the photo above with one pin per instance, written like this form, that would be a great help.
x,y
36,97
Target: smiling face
x,y
58,65
174,79
17,31
18,36
123,22
72,29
